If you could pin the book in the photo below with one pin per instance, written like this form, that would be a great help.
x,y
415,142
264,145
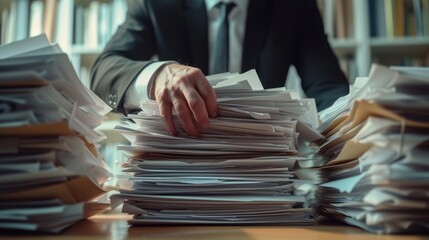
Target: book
x,y
390,20
36,18
49,24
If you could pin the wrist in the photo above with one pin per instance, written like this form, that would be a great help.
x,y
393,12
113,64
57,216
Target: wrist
x,y
155,76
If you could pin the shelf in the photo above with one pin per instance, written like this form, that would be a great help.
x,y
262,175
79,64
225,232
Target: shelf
x,y
407,46
86,2
343,47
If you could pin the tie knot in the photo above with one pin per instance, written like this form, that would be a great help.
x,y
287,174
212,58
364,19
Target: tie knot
x,y
226,7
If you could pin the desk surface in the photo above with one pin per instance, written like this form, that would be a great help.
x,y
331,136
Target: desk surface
x,y
115,227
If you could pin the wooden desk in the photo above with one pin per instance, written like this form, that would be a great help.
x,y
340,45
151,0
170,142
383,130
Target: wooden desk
x,y
115,227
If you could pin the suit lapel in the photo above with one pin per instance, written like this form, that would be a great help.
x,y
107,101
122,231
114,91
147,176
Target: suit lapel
x,y
196,20
256,32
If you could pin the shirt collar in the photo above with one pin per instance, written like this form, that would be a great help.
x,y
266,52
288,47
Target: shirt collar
x,y
241,4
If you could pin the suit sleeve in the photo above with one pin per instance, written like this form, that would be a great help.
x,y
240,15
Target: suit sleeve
x,y
124,57
316,63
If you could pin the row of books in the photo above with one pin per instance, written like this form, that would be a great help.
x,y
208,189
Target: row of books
x,y
51,172
387,18
399,18
31,18
94,22
91,23
338,18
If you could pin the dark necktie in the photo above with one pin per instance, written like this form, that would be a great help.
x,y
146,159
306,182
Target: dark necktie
x,y
221,54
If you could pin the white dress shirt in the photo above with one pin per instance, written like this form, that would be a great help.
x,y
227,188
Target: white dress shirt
x,y
140,89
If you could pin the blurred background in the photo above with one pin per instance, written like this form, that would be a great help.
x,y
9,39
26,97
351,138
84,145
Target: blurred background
x,y
389,32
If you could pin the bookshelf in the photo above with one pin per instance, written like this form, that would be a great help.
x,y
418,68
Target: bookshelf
x,y
80,27
92,24
390,32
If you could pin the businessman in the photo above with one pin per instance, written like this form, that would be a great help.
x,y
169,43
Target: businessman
x,y
193,38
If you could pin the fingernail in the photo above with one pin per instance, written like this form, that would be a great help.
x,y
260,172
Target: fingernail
x,y
213,114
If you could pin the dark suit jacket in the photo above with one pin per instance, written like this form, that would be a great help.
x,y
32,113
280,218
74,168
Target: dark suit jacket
x,y
278,33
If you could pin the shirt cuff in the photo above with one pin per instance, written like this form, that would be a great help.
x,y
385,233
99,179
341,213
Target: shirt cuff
x,y
140,88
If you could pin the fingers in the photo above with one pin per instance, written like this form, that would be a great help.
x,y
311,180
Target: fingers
x,y
197,107
208,95
165,110
185,115
190,94
195,102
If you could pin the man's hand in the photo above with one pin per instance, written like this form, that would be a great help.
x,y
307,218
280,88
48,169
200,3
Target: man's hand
x,y
187,90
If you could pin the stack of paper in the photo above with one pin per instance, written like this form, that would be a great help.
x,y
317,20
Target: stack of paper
x,y
239,171
374,168
49,165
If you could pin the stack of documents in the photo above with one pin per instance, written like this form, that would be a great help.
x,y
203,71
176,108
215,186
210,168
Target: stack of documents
x,y
239,171
373,166
49,164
